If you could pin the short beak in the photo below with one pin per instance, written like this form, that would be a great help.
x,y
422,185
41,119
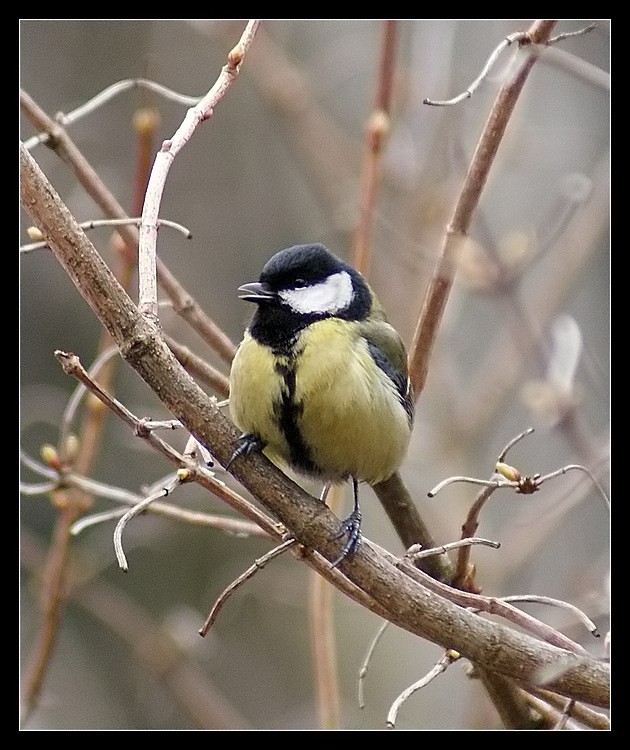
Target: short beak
x,y
256,292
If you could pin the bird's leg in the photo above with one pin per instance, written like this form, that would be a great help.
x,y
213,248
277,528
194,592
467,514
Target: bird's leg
x,y
352,527
246,444
325,492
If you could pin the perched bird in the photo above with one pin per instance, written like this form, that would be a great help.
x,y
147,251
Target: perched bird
x,y
320,379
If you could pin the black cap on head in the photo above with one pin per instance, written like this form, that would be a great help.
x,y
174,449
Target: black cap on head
x,y
311,263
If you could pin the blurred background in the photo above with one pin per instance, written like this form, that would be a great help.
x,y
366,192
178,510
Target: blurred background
x,y
525,342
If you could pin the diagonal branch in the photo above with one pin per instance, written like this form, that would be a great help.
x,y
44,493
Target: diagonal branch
x,y
467,202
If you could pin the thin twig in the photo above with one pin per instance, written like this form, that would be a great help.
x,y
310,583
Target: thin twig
x,y
72,366
107,95
259,564
203,110
95,518
37,467
442,665
491,483
513,442
586,621
518,36
466,204
579,711
376,132
37,489
366,662
577,467
95,223
417,554
569,34
236,526
132,513
73,402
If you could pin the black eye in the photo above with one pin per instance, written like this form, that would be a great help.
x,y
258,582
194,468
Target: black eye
x,y
299,283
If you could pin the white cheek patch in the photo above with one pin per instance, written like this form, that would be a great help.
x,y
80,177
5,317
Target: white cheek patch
x,y
328,296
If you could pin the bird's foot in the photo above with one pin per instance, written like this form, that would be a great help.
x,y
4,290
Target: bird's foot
x,y
246,444
352,527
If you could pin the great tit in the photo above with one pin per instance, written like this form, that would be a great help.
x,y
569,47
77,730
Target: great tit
x,y
320,379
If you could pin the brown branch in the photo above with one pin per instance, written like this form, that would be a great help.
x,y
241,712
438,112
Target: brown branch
x,y
72,366
52,598
442,280
466,204
377,129
73,503
410,526
508,700
258,564
322,632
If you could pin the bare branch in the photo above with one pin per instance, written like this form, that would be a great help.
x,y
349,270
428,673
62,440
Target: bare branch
x,y
587,622
513,442
417,554
518,36
522,37
259,564
132,513
73,367
442,665
183,303
95,223
569,34
467,201
203,110
577,467
368,658
236,526
107,95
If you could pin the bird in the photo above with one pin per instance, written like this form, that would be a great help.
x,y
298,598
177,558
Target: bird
x,y
319,381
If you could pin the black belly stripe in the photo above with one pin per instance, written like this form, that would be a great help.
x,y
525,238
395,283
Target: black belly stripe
x,y
288,411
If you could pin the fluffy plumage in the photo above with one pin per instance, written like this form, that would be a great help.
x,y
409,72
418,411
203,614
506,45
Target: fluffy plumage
x,y
320,379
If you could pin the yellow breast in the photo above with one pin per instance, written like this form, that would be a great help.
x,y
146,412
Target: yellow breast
x,y
346,410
